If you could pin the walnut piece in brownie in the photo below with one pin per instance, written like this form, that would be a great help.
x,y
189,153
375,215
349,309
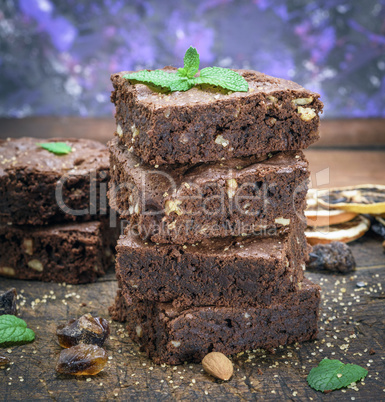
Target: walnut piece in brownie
x,y
206,123
173,336
72,253
181,204
29,176
223,271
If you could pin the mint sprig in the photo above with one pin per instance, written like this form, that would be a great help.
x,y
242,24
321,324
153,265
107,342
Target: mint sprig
x,y
191,63
330,375
14,331
184,79
223,77
58,148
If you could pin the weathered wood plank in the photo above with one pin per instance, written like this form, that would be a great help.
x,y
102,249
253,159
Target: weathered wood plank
x,y
345,319
351,133
333,168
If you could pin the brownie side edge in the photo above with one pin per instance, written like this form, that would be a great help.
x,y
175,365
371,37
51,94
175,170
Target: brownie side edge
x,y
40,188
173,336
258,196
71,253
230,271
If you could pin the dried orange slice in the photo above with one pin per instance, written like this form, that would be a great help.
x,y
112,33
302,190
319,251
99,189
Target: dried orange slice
x,y
317,215
363,199
344,232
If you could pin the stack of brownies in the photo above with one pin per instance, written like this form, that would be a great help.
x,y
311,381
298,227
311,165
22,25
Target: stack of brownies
x,y
213,186
53,213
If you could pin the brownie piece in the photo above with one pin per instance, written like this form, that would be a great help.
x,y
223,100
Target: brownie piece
x,y
119,310
207,124
30,175
173,336
72,252
185,204
225,271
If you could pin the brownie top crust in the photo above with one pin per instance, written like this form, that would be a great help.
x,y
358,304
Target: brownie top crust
x,y
288,160
258,83
24,154
90,227
308,290
249,247
282,162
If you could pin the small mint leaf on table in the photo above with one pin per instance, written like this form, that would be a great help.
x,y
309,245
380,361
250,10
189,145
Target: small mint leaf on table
x,y
58,148
223,77
330,375
14,331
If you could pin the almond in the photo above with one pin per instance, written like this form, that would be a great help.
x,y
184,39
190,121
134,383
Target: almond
x,y
218,365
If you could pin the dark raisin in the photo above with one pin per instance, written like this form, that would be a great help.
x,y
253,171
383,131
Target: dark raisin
x,y
87,329
82,359
335,257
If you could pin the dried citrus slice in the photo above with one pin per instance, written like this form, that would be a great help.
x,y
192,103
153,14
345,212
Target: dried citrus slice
x,y
317,215
363,199
344,232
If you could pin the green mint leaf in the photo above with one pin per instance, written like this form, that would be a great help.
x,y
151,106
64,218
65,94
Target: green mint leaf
x,y
184,79
13,330
223,77
191,62
333,374
171,81
158,78
182,72
182,85
58,148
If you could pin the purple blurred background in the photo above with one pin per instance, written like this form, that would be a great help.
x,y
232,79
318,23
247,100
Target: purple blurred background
x,y
56,56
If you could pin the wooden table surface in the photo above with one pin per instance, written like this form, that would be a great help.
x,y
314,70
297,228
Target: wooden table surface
x,y
352,326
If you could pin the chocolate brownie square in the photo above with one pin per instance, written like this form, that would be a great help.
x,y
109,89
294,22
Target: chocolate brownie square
x,y
184,204
223,272
207,123
175,335
31,177
72,252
